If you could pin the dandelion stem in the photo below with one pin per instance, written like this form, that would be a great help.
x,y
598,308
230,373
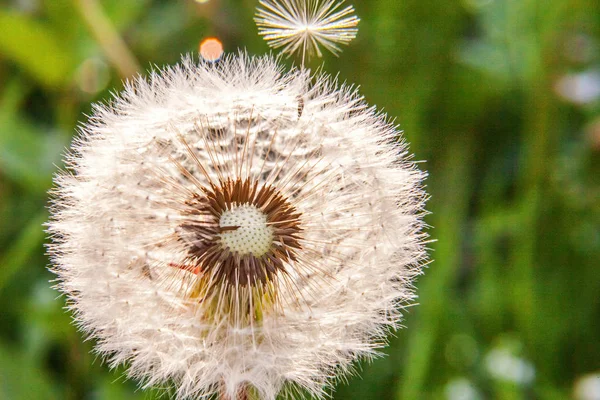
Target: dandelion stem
x,y
243,394
113,46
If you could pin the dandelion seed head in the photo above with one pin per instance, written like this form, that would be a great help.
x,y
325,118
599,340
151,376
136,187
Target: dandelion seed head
x,y
232,227
307,25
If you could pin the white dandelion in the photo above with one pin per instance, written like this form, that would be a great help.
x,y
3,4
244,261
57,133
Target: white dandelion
x,y
306,25
236,231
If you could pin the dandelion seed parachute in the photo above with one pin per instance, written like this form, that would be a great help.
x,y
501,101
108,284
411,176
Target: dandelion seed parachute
x,y
306,25
211,233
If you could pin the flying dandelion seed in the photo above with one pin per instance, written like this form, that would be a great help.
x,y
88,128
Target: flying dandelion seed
x,y
214,235
304,26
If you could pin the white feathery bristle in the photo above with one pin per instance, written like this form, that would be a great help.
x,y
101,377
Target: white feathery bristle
x,y
234,230
305,25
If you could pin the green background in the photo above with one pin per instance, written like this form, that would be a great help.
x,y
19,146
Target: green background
x,y
500,97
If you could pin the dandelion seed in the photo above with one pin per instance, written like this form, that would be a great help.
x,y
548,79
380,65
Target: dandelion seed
x,y
210,235
305,25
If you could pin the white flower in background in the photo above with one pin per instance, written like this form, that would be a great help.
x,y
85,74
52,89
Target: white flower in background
x,y
587,387
305,25
236,230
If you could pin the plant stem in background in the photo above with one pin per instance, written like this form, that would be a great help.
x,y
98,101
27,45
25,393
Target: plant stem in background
x,y
108,38
436,286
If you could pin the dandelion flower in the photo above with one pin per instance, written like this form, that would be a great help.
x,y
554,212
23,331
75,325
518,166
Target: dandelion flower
x,y
231,229
304,26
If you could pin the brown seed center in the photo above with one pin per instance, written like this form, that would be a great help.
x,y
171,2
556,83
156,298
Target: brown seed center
x,y
241,234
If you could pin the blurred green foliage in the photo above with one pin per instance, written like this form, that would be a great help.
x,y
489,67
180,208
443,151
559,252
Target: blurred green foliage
x,y
501,97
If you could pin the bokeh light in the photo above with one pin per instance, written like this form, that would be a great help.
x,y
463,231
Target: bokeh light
x,y
587,387
92,76
211,49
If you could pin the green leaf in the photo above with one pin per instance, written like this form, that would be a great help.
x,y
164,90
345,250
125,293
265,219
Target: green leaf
x,y
20,378
28,153
35,47
27,243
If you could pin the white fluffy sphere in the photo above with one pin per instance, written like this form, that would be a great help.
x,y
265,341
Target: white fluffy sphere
x,y
238,230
